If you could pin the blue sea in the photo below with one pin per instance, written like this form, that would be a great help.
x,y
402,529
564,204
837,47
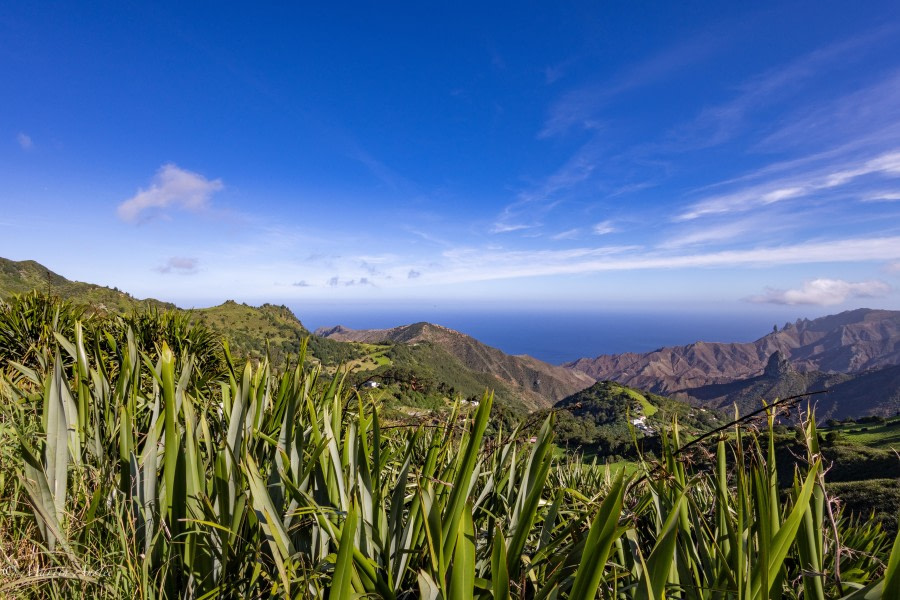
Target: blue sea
x,y
558,337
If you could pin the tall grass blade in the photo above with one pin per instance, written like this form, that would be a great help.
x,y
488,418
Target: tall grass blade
x,y
600,539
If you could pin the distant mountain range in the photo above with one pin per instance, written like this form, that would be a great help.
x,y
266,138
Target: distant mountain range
x,y
540,383
854,354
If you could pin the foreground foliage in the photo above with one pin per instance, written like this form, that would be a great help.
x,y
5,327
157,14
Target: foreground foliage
x,y
136,471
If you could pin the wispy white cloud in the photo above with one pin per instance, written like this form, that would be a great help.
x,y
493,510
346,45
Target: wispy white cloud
x,y
870,113
582,107
795,186
532,204
557,71
569,234
720,123
378,169
428,237
25,142
172,187
491,263
723,232
501,227
181,265
824,292
881,197
588,173
603,228
476,264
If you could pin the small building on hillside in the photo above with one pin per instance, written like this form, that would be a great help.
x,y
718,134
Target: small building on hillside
x,y
640,423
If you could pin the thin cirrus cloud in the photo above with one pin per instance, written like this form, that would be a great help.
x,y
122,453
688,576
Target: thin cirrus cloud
x,y
717,124
568,234
181,265
713,234
603,228
824,292
581,107
712,126
533,204
869,113
25,142
502,227
882,197
172,187
802,185
467,265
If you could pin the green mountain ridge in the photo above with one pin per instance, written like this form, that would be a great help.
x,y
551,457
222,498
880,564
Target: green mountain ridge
x,y
539,383
19,277
423,371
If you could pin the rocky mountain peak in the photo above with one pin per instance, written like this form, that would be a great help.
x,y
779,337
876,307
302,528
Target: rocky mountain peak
x,y
335,332
778,365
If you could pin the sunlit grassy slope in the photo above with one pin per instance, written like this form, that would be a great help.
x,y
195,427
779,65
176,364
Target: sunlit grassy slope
x,y
874,435
27,275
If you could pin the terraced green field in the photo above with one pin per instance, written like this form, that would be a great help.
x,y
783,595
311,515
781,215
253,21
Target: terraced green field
x,y
884,436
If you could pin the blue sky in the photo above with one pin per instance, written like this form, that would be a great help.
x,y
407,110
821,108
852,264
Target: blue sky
x,y
705,156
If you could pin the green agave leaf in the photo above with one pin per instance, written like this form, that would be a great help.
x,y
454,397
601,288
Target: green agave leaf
x,y
457,501
782,541
657,568
462,577
499,572
873,591
599,542
530,494
341,582
892,572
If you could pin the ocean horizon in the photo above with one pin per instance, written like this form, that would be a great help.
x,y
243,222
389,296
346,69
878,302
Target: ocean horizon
x,y
559,337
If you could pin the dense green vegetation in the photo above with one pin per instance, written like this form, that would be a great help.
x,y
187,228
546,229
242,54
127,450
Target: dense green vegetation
x,y
599,420
426,375
130,470
270,331
27,275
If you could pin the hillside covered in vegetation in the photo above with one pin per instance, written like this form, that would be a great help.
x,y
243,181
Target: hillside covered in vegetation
x,y
606,417
21,277
137,461
423,375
